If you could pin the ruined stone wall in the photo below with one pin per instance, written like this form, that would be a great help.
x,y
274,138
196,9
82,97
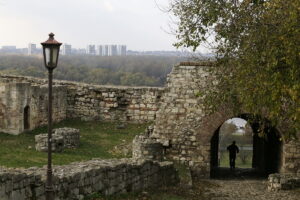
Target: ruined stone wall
x,y
76,180
72,100
23,102
133,104
192,134
144,147
291,156
181,125
180,114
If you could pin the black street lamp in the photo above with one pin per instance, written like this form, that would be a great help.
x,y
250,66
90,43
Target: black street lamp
x,y
51,53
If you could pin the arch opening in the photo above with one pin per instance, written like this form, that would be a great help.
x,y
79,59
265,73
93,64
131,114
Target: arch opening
x,y
259,143
26,118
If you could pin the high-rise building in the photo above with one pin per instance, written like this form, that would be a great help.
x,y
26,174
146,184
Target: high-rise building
x,y
32,49
91,50
112,50
80,51
9,49
99,50
105,50
122,49
66,49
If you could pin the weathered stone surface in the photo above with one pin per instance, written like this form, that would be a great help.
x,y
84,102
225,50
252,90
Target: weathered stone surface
x,y
181,124
76,180
132,104
291,157
178,119
61,138
242,189
71,136
181,120
41,143
283,182
23,104
147,148
72,100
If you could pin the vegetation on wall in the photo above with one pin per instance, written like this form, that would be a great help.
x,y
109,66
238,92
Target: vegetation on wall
x,y
108,70
257,43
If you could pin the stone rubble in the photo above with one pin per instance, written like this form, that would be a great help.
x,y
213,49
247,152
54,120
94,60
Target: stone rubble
x,y
283,182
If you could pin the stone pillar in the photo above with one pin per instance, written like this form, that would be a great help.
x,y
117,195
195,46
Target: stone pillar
x,y
146,148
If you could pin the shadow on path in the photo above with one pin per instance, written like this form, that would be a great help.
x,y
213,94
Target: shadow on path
x,y
237,173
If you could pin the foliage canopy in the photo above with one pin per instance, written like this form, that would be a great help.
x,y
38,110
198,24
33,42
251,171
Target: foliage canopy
x,y
103,70
257,44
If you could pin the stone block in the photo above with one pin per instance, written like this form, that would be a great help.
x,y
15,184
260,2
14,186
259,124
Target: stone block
x,y
41,143
71,136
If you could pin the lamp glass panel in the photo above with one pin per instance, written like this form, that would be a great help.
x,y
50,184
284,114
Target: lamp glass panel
x,y
47,56
55,53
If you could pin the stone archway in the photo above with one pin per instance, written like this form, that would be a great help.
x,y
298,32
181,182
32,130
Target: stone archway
x,y
181,120
267,148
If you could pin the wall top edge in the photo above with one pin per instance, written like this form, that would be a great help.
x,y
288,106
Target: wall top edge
x,y
197,64
39,81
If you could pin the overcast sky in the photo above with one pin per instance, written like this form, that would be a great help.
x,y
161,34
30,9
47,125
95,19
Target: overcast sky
x,y
139,24
238,122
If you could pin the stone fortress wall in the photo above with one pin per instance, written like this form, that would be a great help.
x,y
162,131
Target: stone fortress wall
x,y
180,113
291,158
180,122
192,135
71,100
24,104
132,104
77,180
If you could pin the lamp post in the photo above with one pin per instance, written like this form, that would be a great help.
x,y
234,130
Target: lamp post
x,y
50,52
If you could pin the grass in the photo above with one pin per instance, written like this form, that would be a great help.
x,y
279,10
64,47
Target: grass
x,y
97,139
224,160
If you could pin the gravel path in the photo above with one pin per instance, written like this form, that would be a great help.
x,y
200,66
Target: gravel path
x,y
244,190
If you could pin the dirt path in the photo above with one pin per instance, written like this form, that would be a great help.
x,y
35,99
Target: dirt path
x,y
243,190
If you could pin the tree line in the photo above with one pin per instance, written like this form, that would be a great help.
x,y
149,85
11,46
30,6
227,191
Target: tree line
x,y
110,70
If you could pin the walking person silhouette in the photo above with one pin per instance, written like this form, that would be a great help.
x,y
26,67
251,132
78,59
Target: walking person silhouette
x,y
233,150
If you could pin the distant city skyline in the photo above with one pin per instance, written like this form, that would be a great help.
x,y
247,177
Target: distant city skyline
x,y
140,24
91,49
